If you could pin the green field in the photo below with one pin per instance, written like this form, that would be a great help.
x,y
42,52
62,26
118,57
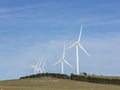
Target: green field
x,y
53,84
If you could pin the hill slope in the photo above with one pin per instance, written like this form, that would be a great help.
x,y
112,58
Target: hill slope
x,y
53,84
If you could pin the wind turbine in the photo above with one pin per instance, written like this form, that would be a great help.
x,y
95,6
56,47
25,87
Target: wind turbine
x,y
78,45
37,68
42,67
62,61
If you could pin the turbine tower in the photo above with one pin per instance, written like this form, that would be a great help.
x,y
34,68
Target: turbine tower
x,y
78,45
62,61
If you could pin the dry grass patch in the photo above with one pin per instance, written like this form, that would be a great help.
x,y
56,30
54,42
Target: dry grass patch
x,y
53,84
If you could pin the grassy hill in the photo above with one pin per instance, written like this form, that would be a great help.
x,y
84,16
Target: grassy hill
x,y
53,84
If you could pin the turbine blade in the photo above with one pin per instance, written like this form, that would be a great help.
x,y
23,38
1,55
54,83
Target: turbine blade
x,y
83,49
37,63
39,69
64,51
71,46
80,33
40,62
44,63
43,70
57,62
68,63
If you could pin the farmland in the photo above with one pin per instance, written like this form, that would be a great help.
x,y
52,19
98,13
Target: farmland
x,y
53,84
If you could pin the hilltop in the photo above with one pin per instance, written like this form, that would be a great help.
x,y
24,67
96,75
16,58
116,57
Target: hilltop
x,y
53,84
56,81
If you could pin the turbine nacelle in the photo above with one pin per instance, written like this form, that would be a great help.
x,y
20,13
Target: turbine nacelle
x,y
77,43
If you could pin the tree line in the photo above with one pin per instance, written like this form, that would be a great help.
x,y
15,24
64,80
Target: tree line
x,y
94,79
83,77
51,75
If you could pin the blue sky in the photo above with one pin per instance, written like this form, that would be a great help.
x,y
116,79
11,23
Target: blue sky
x,y
30,29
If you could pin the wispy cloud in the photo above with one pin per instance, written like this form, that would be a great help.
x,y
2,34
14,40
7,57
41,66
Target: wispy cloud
x,y
4,10
28,7
47,17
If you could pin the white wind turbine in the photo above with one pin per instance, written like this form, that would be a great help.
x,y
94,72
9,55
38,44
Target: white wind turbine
x,y
37,68
77,44
42,67
62,61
